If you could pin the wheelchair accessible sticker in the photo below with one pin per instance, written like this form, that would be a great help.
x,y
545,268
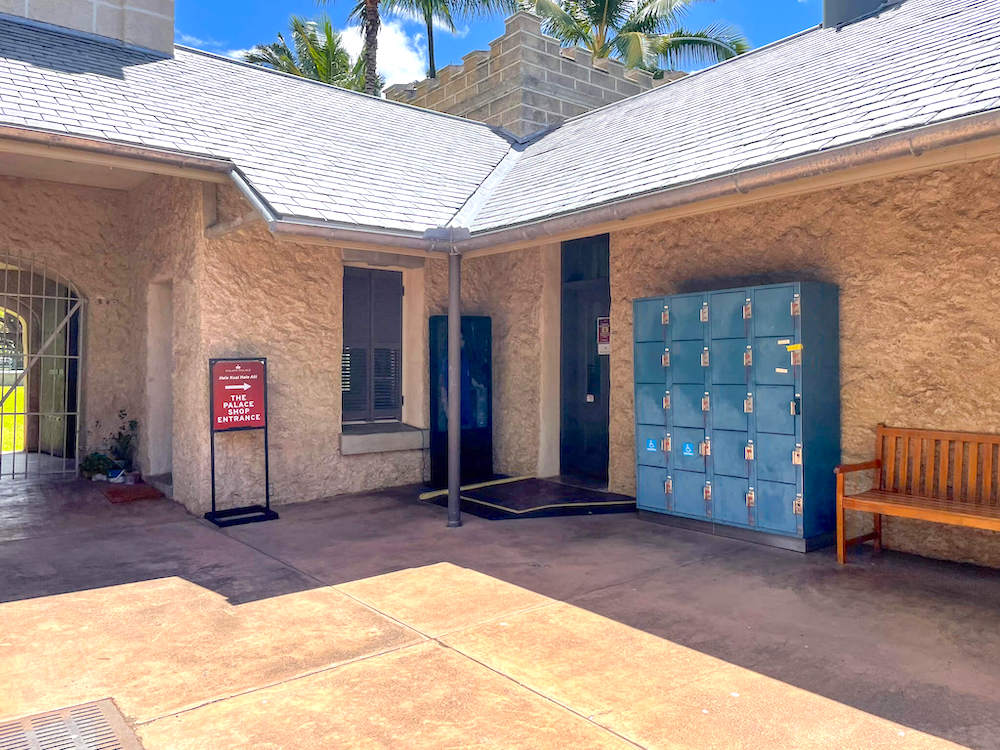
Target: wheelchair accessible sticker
x,y
651,445
687,449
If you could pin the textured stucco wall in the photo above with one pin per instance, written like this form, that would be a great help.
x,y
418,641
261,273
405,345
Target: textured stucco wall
x,y
915,258
508,288
79,233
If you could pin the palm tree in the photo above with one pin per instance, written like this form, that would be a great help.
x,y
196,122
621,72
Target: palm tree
x,y
367,12
640,33
316,52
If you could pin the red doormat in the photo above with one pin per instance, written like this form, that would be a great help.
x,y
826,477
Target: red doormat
x,y
126,493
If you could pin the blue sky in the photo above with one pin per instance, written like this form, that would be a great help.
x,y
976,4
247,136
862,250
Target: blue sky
x,y
230,26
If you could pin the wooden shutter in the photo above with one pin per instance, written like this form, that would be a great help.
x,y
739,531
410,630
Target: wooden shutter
x,y
371,363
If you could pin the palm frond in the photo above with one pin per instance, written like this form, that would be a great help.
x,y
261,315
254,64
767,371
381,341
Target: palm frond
x,y
562,24
685,48
635,49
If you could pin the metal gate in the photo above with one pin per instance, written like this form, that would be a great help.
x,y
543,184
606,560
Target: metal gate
x,y
41,322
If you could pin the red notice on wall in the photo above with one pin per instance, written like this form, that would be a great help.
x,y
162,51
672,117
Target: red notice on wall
x,y
239,395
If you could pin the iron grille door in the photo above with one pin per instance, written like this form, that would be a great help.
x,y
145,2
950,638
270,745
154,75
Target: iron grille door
x,y
371,363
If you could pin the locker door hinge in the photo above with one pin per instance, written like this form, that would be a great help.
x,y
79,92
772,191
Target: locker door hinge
x,y
703,313
748,404
797,455
797,505
665,316
665,358
748,357
750,498
666,401
668,486
705,447
796,306
704,357
748,451
706,402
747,310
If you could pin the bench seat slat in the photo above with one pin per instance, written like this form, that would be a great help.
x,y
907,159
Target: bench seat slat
x,y
927,508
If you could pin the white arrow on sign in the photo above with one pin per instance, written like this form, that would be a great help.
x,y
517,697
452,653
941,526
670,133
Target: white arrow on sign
x,y
241,387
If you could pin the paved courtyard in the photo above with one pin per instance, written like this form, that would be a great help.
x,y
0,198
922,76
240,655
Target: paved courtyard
x,y
363,621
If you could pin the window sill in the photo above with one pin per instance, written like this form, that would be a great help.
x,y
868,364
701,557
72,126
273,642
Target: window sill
x,y
382,438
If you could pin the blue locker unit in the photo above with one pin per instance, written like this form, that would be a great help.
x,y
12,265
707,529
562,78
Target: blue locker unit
x,y
737,396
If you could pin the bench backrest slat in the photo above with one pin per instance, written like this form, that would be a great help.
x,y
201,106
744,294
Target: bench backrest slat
x,y
959,467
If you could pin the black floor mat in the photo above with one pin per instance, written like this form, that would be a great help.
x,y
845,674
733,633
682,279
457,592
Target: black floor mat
x,y
535,498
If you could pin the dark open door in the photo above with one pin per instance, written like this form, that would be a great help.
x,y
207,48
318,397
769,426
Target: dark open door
x,y
586,298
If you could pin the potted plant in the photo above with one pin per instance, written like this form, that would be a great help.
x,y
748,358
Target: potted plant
x,y
123,444
96,466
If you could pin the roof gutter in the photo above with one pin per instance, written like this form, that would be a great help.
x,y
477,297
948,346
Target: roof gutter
x,y
910,143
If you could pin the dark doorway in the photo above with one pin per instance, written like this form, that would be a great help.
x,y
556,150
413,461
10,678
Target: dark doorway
x,y
586,298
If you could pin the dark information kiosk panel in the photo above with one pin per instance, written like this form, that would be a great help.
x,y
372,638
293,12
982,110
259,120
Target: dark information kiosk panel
x,y
477,399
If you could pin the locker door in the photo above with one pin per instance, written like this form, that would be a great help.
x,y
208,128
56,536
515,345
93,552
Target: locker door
x,y
727,405
648,320
774,458
772,361
727,360
650,494
685,406
688,497
772,311
649,445
728,453
648,363
685,362
685,449
729,500
773,408
685,317
775,503
649,403
726,314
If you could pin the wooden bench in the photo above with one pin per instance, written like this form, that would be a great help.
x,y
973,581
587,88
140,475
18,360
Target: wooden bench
x,y
944,477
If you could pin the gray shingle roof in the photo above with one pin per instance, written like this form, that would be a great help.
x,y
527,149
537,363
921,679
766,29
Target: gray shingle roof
x,y
310,150
317,152
921,62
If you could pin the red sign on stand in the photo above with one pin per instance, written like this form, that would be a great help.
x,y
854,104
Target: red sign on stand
x,y
239,400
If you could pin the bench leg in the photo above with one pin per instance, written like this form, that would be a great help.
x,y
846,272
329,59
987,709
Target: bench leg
x,y
878,532
841,536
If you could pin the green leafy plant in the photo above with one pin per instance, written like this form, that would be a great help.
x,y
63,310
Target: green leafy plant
x,y
96,463
124,442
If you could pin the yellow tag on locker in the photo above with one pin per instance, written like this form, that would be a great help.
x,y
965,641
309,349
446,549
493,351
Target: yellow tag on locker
x,y
665,316
704,357
706,402
748,357
665,358
748,451
703,313
666,401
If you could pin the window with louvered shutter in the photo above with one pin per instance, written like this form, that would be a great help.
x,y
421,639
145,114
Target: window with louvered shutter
x,y
371,370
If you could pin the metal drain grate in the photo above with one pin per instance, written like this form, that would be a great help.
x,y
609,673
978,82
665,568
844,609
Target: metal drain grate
x,y
89,726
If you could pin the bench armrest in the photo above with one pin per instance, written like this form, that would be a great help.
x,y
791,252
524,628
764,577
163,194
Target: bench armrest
x,y
847,468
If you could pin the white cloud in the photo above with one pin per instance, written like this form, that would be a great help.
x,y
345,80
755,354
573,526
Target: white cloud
x,y
237,54
411,16
401,58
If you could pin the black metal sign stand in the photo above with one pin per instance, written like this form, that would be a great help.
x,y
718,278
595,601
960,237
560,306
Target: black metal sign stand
x,y
246,513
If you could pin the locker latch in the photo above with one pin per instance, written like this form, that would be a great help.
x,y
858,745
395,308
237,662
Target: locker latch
x,y
665,316
665,444
796,306
747,311
665,358
795,406
748,404
748,451
706,402
707,492
797,455
797,505
704,357
703,313
705,447
750,498
668,486
666,401
795,354
748,357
